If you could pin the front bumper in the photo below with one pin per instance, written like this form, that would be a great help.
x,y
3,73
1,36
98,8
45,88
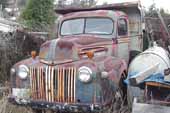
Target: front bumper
x,y
62,107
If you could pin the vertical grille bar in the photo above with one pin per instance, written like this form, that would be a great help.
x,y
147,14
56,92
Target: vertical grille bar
x,y
75,72
46,83
63,85
34,84
31,82
53,85
43,84
61,90
49,84
38,83
68,99
58,95
32,71
41,76
71,85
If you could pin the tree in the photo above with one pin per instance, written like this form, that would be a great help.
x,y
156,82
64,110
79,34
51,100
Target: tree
x,y
76,3
105,3
21,3
84,3
38,15
61,3
164,13
3,3
152,12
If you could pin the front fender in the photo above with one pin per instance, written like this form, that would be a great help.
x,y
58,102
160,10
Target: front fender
x,y
115,68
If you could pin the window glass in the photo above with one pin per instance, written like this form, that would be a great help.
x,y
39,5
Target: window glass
x,y
122,27
99,26
72,27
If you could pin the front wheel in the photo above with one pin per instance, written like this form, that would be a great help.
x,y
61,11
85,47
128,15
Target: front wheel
x,y
117,105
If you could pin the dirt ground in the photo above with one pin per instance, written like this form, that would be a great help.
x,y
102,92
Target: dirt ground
x,y
6,107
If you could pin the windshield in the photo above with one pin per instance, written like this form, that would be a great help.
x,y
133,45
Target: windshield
x,y
101,26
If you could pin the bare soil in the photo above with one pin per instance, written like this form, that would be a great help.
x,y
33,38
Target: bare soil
x,y
6,107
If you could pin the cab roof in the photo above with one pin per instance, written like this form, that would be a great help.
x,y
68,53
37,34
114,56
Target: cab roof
x,y
97,13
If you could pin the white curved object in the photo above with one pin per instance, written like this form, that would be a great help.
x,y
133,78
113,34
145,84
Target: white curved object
x,y
149,58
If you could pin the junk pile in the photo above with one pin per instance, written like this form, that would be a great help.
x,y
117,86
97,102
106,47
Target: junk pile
x,y
149,72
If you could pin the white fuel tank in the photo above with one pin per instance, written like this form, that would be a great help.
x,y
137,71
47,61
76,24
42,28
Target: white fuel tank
x,y
148,58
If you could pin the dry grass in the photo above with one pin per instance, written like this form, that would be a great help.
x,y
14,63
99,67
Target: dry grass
x,y
13,48
6,107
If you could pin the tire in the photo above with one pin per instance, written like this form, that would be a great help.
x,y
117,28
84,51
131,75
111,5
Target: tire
x,y
117,103
123,87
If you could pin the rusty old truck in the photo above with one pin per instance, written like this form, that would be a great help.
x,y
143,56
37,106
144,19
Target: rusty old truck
x,y
83,69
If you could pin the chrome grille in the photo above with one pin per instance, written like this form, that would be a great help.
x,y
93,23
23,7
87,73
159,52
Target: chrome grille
x,y
53,85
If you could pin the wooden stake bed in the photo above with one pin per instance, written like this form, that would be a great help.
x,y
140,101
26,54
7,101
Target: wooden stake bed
x,y
157,93
156,84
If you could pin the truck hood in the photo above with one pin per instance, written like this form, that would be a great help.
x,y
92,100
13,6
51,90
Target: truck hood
x,y
67,49
86,40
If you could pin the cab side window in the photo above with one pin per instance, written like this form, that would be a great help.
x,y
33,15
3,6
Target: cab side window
x,y
122,27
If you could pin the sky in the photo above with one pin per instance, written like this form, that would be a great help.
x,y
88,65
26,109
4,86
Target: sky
x,y
146,3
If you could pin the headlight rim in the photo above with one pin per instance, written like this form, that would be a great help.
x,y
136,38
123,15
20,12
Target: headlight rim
x,y
23,68
85,68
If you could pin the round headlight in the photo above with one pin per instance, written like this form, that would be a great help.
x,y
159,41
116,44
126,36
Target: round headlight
x,y
85,74
23,71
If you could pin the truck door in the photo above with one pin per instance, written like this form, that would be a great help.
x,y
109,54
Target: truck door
x,y
123,39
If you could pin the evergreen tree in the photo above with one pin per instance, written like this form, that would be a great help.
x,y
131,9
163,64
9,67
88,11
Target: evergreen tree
x,y
86,3
152,12
61,3
22,3
105,3
76,3
39,15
